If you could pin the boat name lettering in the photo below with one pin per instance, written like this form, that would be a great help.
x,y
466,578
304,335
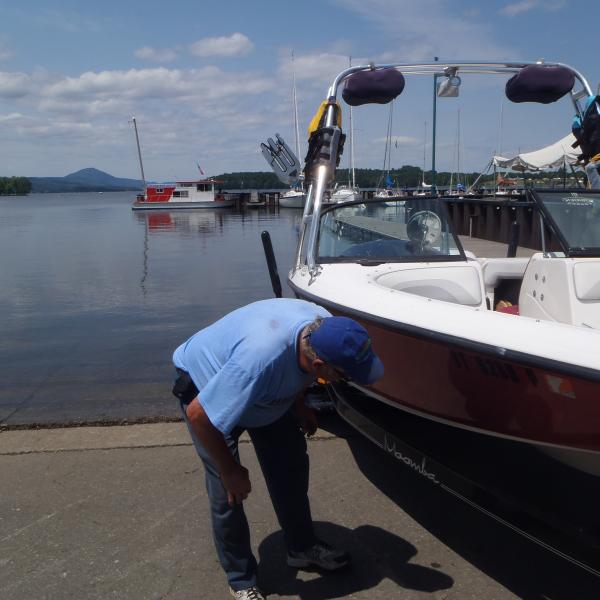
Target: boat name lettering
x,y
532,377
460,360
494,368
390,447
488,366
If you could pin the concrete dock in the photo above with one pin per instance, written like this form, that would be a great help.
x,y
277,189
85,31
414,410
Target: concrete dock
x,y
120,512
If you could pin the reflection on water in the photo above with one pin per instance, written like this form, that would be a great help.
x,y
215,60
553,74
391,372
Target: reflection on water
x,y
95,297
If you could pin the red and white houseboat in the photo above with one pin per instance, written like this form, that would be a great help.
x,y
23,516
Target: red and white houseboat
x,y
203,193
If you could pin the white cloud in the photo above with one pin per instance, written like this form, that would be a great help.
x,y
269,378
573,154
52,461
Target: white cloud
x,y
157,55
10,117
62,129
519,7
87,107
236,44
133,82
511,10
14,85
207,83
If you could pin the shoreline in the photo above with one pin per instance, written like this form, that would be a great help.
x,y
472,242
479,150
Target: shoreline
x,y
152,420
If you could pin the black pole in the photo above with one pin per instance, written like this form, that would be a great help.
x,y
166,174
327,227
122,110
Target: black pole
x,y
513,239
271,264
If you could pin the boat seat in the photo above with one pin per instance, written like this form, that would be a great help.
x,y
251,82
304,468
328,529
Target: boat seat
x,y
459,284
566,290
496,269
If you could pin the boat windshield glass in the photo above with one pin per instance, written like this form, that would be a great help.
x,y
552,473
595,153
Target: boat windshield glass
x,y
405,230
575,216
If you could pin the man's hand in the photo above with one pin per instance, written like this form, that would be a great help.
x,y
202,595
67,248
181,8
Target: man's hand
x,y
306,417
237,484
233,475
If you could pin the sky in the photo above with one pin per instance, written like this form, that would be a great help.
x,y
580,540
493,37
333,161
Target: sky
x,y
209,80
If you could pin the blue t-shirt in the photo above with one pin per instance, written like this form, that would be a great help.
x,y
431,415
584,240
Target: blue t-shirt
x,y
246,364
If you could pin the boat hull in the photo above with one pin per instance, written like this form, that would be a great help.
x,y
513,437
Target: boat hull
x,y
182,205
485,389
514,482
292,201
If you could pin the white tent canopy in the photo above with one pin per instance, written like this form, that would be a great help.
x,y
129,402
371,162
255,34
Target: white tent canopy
x,y
549,157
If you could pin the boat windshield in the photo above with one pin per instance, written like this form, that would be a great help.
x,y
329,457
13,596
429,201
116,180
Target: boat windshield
x,y
575,217
375,231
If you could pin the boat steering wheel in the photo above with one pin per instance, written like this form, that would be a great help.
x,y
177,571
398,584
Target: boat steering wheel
x,y
424,228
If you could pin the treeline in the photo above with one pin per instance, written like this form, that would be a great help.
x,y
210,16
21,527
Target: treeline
x,y
258,180
405,177
14,186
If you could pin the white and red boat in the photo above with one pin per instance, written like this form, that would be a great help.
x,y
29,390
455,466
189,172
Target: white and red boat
x,y
526,383
204,193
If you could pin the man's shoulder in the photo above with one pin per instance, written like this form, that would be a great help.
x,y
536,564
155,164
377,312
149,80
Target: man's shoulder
x,y
284,310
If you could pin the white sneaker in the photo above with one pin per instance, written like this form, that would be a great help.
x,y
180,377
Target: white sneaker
x,y
251,593
320,555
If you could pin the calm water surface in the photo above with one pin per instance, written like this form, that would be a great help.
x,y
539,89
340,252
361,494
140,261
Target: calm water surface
x,y
95,298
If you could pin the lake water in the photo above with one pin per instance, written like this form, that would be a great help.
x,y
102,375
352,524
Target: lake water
x,y
95,297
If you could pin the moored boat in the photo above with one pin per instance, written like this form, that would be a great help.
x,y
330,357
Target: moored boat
x,y
293,198
501,349
180,195
184,195
389,194
343,193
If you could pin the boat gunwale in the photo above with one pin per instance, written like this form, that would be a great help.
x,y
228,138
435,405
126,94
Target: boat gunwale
x,y
415,331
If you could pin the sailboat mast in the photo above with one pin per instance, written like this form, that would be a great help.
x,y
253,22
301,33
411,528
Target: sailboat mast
x,y
424,148
351,140
387,154
389,140
352,151
137,141
295,101
458,150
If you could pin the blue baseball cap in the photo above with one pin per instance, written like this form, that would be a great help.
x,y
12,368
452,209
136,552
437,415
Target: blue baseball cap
x,y
345,344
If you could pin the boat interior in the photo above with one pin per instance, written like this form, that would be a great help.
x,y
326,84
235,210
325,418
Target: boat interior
x,y
414,239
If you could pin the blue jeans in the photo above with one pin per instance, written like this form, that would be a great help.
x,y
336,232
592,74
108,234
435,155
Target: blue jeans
x,y
281,451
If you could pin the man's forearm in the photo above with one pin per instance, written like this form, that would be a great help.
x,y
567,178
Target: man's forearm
x,y
212,439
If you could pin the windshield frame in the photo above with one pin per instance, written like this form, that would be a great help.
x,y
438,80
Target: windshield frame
x,y
569,251
441,206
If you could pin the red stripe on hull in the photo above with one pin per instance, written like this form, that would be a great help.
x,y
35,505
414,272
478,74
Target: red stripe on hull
x,y
478,391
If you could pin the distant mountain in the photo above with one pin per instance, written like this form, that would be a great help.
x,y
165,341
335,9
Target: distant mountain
x,y
85,180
